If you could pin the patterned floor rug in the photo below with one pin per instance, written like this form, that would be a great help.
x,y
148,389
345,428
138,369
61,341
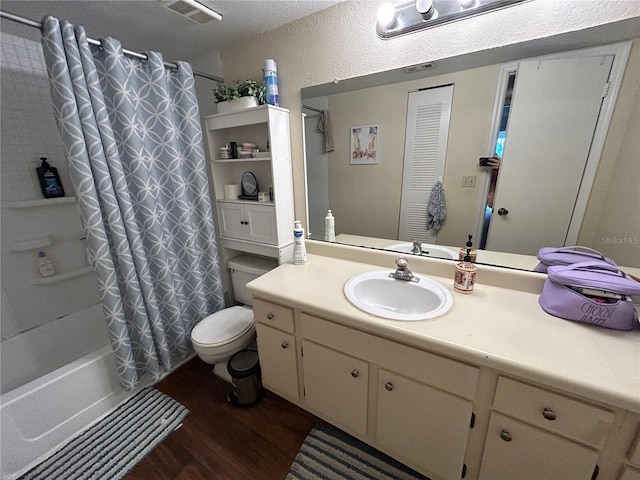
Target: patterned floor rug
x,y
114,445
328,454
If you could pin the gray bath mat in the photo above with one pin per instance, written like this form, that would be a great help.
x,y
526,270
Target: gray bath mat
x,y
329,454
114,445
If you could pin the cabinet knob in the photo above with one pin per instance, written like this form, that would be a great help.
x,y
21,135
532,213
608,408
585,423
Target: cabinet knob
x,y
506,436
549,414
355,373
285,344
388,386
270,316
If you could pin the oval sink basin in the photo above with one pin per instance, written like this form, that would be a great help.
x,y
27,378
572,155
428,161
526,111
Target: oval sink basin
x,y
428,250
380,295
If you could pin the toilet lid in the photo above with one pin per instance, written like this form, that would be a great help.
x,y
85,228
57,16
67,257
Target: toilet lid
x,y
223,326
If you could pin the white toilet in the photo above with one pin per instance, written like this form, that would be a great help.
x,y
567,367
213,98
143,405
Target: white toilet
x,y
218,336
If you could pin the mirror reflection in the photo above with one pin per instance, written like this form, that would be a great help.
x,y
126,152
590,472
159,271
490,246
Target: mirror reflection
x,y
561,127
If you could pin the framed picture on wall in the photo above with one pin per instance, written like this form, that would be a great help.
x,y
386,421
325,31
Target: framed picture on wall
x,y
364,145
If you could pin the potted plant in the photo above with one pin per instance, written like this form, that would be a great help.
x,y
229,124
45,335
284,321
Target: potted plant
x,y
239,95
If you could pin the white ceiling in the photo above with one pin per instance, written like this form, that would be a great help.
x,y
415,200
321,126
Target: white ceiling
x,y
147,25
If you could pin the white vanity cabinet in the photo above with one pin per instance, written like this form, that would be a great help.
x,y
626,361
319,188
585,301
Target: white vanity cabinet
x,y
534,433
277,348
263,228
336,385
409,403
423,424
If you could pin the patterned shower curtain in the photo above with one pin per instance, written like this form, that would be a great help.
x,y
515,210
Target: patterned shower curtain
x,y
132,136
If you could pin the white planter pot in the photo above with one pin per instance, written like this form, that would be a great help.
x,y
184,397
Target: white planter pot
x,y
237,104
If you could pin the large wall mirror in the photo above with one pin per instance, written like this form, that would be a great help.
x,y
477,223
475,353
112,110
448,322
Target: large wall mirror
x,y
540,168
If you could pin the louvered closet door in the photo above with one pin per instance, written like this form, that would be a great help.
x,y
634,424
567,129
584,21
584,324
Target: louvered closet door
x,y
425,150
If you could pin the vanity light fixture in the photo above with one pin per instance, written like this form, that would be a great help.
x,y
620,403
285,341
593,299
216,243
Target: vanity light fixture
x,y
420,14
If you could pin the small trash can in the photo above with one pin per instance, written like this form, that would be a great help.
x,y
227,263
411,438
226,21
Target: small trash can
x,y
244,369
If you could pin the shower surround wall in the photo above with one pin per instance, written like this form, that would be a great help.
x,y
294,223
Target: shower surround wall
x,y
43,327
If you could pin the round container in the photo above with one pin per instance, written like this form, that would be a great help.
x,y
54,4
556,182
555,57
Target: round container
x,y
244,369
232,191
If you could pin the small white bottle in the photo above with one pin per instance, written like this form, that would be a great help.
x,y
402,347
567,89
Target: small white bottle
x,y
299,249
329,227
44,265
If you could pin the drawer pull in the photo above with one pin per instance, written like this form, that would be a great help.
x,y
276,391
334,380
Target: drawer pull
x,y
506,436
270,316
355,373
388,386
285,344
549,414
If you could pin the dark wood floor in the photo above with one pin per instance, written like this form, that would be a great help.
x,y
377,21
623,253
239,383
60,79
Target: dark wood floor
x,y
219,441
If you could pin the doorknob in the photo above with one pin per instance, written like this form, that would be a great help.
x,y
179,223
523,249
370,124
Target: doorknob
x,y
503,211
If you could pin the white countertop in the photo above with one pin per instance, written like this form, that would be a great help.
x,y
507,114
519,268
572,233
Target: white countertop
x,y
496,327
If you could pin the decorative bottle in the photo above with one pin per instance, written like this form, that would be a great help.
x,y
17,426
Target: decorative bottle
x,y
473,253
329,227
465,277
45,266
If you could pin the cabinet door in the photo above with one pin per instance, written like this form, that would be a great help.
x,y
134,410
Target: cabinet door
x,y
422,424
231,217
260,221
517,450
278,361
336,385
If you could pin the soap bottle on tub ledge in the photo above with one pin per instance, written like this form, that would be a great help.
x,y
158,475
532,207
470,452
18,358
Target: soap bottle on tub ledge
x,y
299,249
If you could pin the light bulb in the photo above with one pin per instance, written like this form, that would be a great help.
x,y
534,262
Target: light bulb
x,y
425,8
467,3
386,15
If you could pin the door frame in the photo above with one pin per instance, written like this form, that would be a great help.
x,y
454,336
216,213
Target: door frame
x,y
621,52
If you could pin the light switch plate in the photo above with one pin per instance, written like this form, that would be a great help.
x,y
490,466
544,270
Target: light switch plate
x,y
469,181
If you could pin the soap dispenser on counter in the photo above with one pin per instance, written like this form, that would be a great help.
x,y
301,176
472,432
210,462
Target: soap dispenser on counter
x,y
468,250
465,277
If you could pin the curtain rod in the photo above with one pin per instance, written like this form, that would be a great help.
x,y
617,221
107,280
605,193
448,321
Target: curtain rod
x,y
33,23
313,108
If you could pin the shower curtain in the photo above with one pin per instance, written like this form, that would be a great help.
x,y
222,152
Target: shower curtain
x,y
132,136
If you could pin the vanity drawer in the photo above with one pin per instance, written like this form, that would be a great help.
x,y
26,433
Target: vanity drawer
x,y
273,315
439,372
554,412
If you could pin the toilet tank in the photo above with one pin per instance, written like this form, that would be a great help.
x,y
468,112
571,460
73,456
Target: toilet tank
x,y
244,269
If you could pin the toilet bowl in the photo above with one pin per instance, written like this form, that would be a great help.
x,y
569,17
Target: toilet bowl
x,y
218,336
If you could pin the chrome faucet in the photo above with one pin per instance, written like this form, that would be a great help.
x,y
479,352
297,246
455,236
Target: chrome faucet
x,y
417,248
402,272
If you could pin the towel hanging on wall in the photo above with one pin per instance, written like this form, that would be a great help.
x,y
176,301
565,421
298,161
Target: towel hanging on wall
x,y
436,208
324,125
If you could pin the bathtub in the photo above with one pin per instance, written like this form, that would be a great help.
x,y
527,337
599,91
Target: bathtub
x,y
36,418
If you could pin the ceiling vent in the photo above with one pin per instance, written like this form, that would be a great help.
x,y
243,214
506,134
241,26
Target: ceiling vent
x,y
188,11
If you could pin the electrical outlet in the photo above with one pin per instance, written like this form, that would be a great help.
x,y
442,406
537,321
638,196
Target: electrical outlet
x,y
469,181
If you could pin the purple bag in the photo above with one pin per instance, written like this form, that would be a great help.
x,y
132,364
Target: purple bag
x,y
549,256
591,292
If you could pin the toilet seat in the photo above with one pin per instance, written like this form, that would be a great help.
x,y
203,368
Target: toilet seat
x,y
221,334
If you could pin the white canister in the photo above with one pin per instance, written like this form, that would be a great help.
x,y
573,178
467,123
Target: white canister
x,y
263,196
232,191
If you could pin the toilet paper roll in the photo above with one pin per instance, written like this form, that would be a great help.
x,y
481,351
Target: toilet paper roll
x,y
231,191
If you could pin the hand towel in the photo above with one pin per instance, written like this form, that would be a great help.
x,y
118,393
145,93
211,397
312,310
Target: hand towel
x,y
436,208
324,125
